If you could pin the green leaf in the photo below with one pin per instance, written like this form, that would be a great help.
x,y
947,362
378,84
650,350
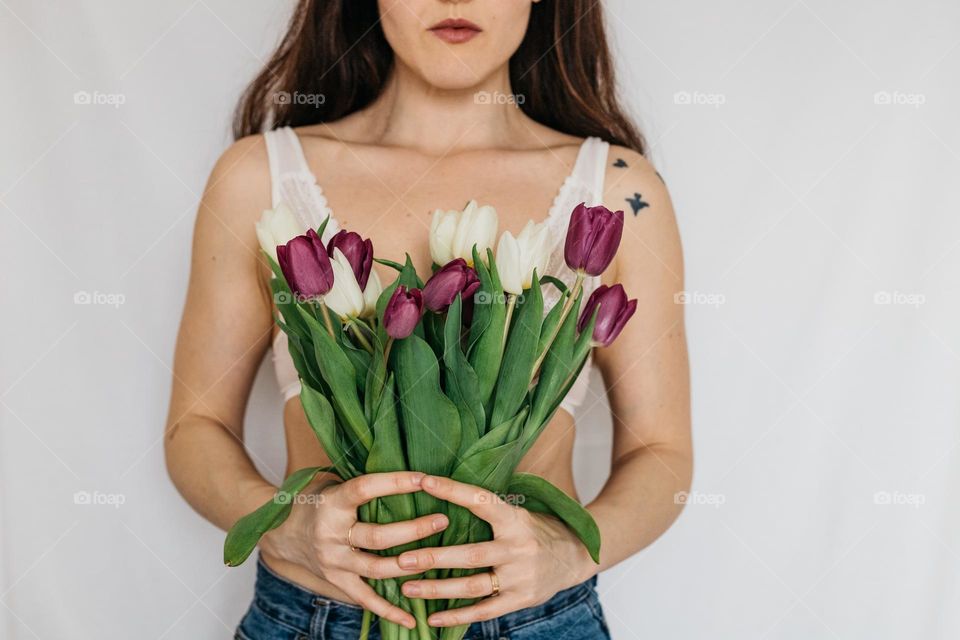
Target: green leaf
x,y
496,436
387,455
389,263
246,532
431,422
542,497
301,352
322,421
557,366
557,282
376,379
486,330
323,226
461,380
359,358
284,299
519,356
339,374
549,324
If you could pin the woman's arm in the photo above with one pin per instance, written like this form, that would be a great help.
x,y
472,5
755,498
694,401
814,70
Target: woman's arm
x,y
224,333
645,370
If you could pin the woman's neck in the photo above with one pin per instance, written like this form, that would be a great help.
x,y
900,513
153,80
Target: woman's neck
x,y
412,113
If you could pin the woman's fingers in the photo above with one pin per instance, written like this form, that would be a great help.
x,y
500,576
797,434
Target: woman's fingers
x,y
482,503
463,556
384,536
478,585
365,488
369,565
362,594
487,609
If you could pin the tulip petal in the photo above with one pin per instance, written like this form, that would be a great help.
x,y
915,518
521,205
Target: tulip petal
x,y
509,266
345,297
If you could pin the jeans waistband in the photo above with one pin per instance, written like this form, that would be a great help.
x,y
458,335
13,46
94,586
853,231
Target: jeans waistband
x,y
297,607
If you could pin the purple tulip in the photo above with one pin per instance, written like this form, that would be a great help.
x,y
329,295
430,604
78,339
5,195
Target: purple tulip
x,y
358,252
614,312
454,278
592,238
306,265
403,311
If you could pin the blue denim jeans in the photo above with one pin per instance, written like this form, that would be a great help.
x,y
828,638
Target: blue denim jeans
x,y
282,610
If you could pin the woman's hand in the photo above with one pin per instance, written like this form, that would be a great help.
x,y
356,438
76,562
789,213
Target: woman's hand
x,y
533,556
324,536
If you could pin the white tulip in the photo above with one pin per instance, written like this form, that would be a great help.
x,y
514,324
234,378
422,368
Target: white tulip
x,y
453,234
371,294
277,226
518,257
442,230
345,298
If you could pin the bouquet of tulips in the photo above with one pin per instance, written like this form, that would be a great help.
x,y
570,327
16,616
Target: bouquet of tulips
x,y
456,376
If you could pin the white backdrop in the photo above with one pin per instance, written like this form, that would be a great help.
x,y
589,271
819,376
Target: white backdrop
x,y
812,149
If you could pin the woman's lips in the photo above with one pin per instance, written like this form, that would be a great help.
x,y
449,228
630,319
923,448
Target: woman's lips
x,y
455,30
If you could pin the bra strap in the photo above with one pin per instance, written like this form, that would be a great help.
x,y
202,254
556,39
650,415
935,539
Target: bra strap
x,y
591,167
285,157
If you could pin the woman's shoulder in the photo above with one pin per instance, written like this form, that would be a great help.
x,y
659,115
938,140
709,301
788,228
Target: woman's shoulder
x,y
242,162
238,188
632,179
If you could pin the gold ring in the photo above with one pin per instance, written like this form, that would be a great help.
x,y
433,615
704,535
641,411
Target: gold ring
x,y
494,583
350,537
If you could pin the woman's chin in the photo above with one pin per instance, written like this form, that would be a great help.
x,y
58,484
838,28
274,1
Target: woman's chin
x,y
454,75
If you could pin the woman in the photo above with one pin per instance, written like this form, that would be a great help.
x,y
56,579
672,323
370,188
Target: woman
x,y
400,107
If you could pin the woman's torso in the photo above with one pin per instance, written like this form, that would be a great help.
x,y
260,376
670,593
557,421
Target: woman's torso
x,y
389,194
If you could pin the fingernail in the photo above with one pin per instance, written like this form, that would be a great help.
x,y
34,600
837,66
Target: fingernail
x,y
411,589
407,561
429,482
417,479
436,621
439,523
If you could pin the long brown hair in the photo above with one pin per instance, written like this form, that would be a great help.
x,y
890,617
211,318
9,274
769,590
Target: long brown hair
x,y
336,49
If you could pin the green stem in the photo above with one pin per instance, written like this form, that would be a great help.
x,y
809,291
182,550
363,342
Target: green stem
x,y
386,350
567,306
365,624
382,380
420,613
326,318
358,334
511,303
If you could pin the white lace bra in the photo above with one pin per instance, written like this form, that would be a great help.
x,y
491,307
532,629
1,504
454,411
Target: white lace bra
x,y
294,184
